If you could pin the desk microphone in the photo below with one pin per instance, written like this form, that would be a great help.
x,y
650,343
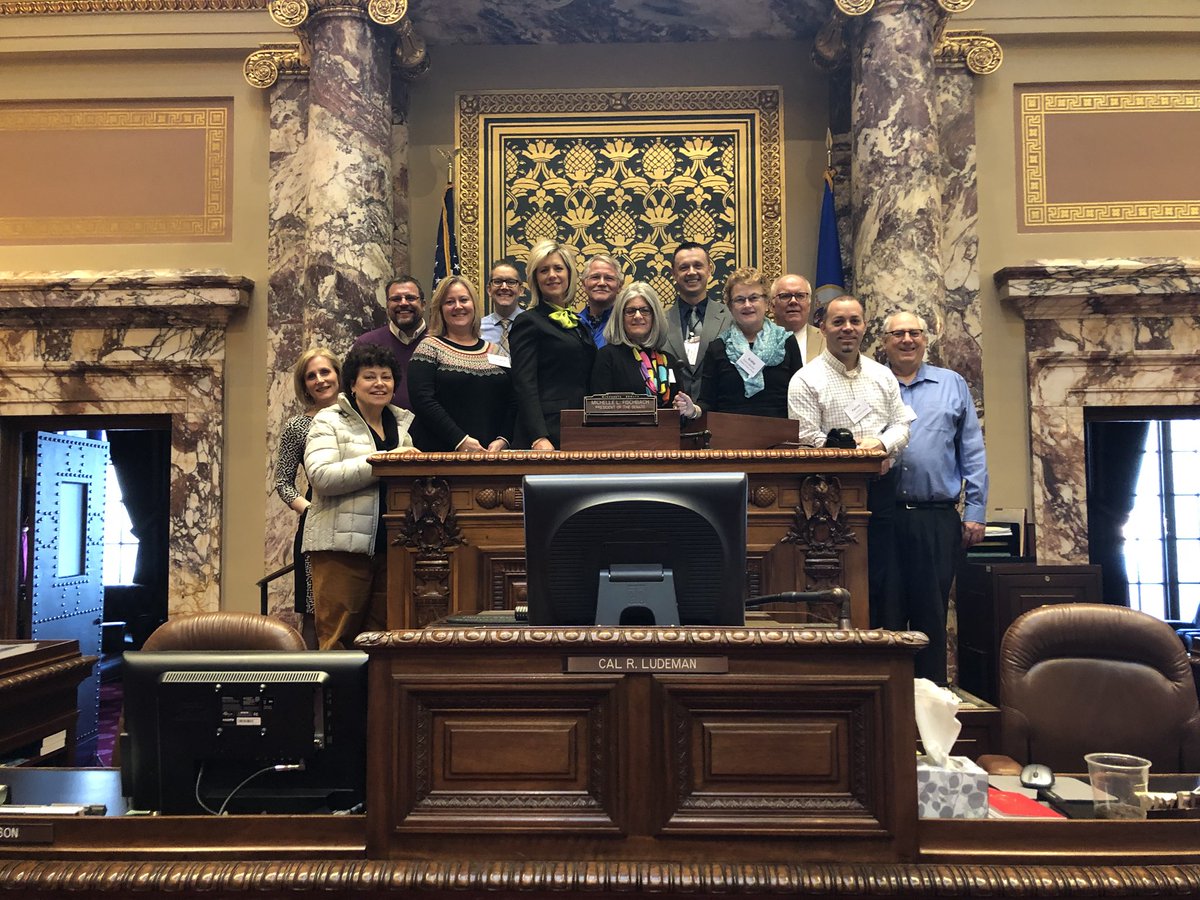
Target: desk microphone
x,y
838,595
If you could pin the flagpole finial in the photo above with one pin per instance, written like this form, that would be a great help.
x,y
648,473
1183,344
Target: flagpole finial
x,y
449,156
828,149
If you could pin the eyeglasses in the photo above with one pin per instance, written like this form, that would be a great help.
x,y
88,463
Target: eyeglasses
x,y
632,311
404,298
504,282
901,333
745,301
601,276
788,296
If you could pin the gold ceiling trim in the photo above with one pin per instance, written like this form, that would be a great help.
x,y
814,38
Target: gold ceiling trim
x,y
980,54
75,7
265,65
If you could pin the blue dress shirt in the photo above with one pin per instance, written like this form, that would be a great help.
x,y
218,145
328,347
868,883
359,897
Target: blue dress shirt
x,y
595,327
945,446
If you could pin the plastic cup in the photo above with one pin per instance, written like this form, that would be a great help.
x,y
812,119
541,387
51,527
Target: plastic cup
x,y
1119,784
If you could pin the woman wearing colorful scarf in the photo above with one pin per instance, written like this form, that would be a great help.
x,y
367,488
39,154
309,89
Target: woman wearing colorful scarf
x,y
748,367
633,359
551,355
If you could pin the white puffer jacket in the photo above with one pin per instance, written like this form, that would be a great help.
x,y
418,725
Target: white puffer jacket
x,y
345,503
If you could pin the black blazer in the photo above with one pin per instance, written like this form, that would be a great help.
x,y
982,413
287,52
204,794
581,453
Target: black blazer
x,y
722,389
551,366
618,370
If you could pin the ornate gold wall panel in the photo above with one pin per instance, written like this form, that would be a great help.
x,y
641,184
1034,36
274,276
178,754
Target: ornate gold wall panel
x,y
631,173
1107,157
116,172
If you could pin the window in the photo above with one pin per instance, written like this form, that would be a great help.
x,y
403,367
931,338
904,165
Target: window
x,y
120,546
1162,536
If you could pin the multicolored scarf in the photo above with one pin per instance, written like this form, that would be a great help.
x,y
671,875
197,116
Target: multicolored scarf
x,y
768,347
655,372
566,318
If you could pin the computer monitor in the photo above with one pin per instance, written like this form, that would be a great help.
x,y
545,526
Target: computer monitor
x,y
608,549
245,731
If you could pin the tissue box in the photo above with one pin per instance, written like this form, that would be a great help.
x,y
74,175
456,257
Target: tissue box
x,y
957,790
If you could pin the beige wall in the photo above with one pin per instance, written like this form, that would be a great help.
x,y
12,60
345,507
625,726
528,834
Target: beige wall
x,y
1056,41
200,55
174,56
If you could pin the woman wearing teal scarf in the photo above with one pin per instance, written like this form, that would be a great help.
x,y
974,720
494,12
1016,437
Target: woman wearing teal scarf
x,y
748,367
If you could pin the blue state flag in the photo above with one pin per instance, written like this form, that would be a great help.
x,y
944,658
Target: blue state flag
x,y
445,253
830,281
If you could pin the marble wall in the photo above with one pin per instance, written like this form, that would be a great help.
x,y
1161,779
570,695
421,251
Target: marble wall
x,y
1098,333
134,343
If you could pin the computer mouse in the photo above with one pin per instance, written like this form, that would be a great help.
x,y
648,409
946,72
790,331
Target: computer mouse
x,y
1037,775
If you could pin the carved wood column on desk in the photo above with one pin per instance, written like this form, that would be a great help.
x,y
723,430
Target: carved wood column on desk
x,y
456,530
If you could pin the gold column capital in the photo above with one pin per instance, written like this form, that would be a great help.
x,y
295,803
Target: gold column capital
x,y
387,12
264,66
956,6
979,53
288,13
855,7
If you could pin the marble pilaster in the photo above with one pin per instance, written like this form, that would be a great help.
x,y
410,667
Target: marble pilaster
x,y
287,334
401,260
134,343
896,169
959,322
1098,333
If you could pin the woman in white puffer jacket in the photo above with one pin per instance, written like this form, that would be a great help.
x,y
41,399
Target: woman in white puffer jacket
x,y
343,534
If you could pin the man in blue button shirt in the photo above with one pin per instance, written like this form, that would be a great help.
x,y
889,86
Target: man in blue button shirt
x,y
943,460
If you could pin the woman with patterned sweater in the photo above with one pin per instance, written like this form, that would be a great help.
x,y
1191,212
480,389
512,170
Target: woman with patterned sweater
x,y
458,383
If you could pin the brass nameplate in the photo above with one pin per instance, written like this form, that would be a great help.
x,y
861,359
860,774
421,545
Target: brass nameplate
x,y
26,833
684,665
632,409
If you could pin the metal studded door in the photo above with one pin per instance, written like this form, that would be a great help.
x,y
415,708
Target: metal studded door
x,y
66,585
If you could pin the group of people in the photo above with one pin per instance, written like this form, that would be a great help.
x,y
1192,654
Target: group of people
x,y
454,380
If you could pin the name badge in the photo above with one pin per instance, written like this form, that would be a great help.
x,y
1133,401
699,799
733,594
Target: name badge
x,y
857,410
749,363
691,347
499,359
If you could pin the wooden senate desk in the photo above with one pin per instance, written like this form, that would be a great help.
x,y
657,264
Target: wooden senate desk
x,y
456,533
39,701
546,764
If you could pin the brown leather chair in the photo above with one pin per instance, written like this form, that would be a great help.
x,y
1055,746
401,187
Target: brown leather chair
x,y
225,631
1076,678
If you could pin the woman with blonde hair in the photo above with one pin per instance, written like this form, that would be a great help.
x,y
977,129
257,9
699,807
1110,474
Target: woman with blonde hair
x,y
748,367
459,383
316,380
551,353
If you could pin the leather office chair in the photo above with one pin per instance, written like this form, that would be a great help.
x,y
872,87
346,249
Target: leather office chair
x,y
225,631
1077,678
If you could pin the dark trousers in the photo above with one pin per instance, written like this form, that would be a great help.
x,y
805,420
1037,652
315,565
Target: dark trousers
x,y
927,546
881,549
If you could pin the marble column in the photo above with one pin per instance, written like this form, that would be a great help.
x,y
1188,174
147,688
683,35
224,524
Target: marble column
x,y
348,238
896,165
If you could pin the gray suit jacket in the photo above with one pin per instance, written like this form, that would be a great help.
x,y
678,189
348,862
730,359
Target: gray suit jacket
x,y
716,319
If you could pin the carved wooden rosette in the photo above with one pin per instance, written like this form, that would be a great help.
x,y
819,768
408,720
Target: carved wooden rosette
x,y
430,528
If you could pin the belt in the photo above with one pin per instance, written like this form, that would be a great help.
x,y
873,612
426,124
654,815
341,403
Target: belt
x,y
927,504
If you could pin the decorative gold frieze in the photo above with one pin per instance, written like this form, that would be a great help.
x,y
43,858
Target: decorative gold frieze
x,y
287,13
855,7
387,12
264,66
982,55
76,7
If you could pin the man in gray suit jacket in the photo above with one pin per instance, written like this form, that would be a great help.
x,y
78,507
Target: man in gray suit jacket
x,y
693,322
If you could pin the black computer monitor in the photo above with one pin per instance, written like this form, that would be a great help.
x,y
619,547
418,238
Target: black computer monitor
x,y
607,549
245,731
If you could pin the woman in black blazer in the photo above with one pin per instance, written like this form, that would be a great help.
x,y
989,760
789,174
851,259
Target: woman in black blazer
x,y
551,354
634,359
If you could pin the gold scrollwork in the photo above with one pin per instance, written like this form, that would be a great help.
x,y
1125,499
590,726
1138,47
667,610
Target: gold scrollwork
x,y
264,66
288,13
76,7
387,12
982,55
855,7
956,6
